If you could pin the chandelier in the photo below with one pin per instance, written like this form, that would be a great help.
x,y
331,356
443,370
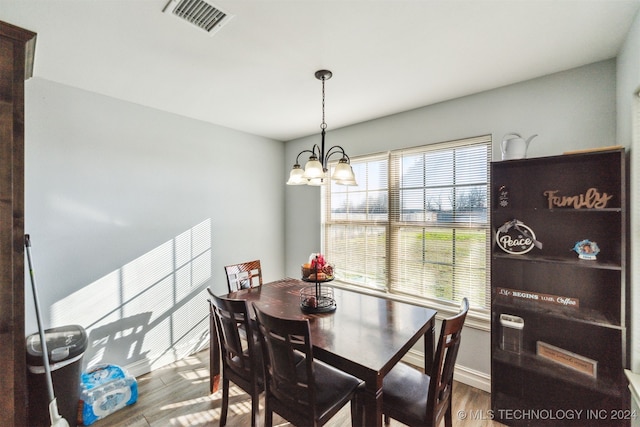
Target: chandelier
x,y
315,170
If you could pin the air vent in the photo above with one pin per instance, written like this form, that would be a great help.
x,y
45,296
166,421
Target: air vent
x,y
199,13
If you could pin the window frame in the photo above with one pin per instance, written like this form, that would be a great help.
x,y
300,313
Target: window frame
x,y
478,316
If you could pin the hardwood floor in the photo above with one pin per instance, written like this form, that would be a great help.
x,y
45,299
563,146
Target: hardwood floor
x,y
178,395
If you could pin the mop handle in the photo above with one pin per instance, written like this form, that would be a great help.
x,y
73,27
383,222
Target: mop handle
x,y
43,341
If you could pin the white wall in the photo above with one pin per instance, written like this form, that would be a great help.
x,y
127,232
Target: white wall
x,y
133,212
628,116
571,110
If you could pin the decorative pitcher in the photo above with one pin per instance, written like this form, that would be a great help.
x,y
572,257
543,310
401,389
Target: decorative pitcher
x,y
514,146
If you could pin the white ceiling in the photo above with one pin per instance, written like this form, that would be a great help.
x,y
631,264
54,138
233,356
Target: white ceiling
x,y
256,74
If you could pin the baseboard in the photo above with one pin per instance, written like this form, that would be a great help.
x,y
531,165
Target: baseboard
x,y
138,368
471,377
463,374
177,352
144,366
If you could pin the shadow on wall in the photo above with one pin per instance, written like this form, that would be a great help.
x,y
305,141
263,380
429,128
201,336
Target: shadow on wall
x,y
151,311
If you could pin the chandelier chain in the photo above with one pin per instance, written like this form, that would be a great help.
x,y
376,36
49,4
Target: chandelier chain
x,y
323,125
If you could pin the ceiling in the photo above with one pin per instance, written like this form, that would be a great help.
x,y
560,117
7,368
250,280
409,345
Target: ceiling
x,y
256,74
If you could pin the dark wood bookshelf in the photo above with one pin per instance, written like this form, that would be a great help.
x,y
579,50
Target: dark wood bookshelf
x,y
593,325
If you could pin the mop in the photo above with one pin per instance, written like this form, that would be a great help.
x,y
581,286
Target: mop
x,y
54,415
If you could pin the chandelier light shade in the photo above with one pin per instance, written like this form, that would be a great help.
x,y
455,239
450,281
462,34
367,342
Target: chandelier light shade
x,y
315,170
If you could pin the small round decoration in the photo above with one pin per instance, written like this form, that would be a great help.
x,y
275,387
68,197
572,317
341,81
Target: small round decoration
x,y
586,249
515,238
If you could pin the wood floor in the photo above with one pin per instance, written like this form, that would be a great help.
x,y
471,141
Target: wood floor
x,y
178,395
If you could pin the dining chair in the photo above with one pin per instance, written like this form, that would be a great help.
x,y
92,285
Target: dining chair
x,y
244,275
306,393
424,399
241,357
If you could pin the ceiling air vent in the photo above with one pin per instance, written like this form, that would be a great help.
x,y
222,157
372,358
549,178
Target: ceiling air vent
x,y
200,13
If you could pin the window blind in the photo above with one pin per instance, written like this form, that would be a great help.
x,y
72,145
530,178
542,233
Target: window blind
x,y
417,223
356,224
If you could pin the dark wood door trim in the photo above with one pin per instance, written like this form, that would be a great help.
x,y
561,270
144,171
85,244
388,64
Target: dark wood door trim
x,y
15,43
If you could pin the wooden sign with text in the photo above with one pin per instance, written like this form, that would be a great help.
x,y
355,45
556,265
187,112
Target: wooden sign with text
x,y
566,358
538,297
590,199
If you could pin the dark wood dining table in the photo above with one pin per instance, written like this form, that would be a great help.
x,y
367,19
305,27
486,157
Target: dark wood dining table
x,y
365,336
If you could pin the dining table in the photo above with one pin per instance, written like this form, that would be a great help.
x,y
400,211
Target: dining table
x,y
365,336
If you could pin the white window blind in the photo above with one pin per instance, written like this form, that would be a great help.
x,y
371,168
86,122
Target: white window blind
x,y
417,224
356,224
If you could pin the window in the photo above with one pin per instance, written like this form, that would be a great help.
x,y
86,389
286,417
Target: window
x,y
417,224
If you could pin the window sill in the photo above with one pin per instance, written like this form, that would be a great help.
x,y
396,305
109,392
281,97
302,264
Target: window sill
x,y
477,319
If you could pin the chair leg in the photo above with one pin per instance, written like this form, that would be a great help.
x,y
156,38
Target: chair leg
x,y
225,402
448,421
357,412
387,419
268,416
255,407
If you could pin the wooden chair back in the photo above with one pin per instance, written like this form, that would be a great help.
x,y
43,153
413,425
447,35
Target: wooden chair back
x,y
441,384
240,352
301,390
282,339
243,275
